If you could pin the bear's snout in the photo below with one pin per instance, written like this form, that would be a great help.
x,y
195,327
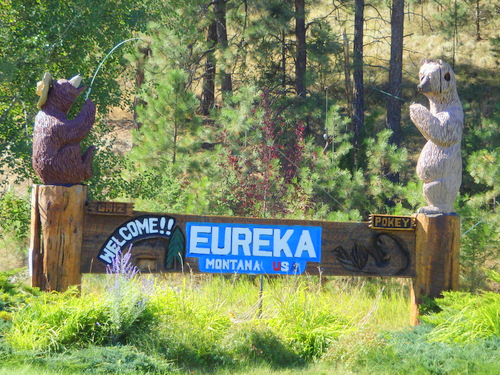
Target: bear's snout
x,y
424,86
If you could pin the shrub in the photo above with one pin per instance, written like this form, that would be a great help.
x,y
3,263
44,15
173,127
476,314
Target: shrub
x,y
410,352
307,322
126,298
104,360
253,342
54,322
14,215
190,328
465,317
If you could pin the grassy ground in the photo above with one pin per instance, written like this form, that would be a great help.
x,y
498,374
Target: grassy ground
x,y
199,324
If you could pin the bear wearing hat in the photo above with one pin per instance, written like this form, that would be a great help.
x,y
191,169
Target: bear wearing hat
x,y
57,158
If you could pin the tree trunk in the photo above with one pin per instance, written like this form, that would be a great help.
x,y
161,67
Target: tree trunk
x,y
394,102
478,28
300,36
208,90
358,118
347,74
395,72
283,60
139,79
61,215
220,14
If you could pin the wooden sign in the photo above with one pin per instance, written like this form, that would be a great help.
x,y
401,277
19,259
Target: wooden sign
x,y
110,208
390,222
82,238
172,243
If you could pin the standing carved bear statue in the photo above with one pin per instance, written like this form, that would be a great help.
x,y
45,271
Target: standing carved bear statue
x,y
57,158
440,163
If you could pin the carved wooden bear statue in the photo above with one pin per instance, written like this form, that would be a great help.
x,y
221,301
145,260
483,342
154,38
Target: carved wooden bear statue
x,y
440,163
57,158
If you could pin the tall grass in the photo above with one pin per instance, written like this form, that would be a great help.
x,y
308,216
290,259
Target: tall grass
x,y
213,324
466,318
54,322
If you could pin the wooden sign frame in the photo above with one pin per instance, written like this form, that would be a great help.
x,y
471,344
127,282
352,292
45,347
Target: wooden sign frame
x,y
347,249
70,236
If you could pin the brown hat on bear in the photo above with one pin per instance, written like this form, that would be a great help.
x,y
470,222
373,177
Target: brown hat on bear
x,y
42,89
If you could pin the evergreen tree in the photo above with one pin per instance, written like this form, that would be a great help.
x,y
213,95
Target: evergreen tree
x,y
166,118
260,158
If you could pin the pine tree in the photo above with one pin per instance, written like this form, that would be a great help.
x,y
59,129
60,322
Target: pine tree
x,y
168,115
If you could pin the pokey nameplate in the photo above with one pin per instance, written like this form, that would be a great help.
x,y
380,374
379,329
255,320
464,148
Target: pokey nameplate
x,y
392,222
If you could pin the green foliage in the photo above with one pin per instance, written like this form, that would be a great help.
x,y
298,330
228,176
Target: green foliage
x,y
14,215
493,276
478,207
126,306
255,343
211,326
410,352
59,321
70,320
307,323
104,360
166,118
260,158
190,328
162,156
12,295
157,193
265,45
465,317
367,188
480,243
455,13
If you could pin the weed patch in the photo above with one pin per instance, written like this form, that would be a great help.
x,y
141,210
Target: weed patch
x,y
411,352
465,317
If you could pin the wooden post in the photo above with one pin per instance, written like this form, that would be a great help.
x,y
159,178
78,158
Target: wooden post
x,y
61,213
36,252
437,259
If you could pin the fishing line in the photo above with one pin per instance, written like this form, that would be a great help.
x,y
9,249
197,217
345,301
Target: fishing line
x,y
102,62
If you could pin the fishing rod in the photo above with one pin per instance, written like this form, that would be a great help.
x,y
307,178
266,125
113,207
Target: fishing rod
x,y
102,62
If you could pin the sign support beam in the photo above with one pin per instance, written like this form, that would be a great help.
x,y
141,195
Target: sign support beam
x,y
437,259
60,211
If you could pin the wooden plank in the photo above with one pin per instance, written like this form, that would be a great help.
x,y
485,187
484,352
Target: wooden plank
x,y
35,248
437,259
346,248
390,222
62,216
110,208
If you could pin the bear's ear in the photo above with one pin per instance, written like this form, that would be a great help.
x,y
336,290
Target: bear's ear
x,y
447,76
424,61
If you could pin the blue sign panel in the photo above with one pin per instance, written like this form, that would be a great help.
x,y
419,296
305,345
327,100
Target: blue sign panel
x,y
253,248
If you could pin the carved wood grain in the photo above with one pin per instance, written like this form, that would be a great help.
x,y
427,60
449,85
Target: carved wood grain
x,y
334,234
